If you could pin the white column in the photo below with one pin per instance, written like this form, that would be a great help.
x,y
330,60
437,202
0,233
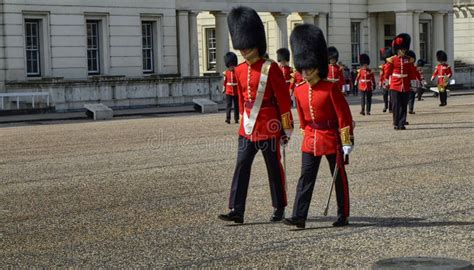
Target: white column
x,y
373,49
222,39
193,44
449,38
438,34
380,32
183,38
322,23
282,29
404,23
308,17
416,33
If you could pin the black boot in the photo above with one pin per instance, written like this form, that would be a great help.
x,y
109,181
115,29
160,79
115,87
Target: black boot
x,y
298,222
232,216
341,221
278,214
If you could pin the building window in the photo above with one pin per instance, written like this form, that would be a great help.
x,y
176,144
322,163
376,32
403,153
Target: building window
x,y
33,53
355,41
389,33
148,47
93,46
211,48
424,48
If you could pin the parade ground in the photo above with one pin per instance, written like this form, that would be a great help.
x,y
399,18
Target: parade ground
x,y
145,191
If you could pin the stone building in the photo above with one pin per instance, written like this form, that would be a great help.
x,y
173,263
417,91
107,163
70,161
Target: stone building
x,y
155,52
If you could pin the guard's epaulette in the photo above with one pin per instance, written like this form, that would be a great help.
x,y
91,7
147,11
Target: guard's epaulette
x,y
381,66
358,71
390,59
301,83
224,72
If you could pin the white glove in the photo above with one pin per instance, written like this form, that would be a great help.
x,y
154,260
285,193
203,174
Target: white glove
x,y
347,149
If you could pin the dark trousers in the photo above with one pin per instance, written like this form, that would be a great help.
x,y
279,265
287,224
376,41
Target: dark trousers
x,y
419,92
399,103
387,101
229,100
411,101
276,176
304,190
443,97
355,90
366,100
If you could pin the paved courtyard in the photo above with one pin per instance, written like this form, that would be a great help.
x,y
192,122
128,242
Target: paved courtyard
x,y
146,192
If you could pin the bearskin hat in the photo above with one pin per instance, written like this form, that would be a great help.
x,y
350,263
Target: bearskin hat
x,y
333,53
246,30
364,59
402,41
309,49
420,63
230,59
441,56
411,54
283,54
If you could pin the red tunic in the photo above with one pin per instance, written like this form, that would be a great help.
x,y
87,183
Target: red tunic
x,y
336,75
365,79
286,70
230,83
441,71
402,71
276,105
331,117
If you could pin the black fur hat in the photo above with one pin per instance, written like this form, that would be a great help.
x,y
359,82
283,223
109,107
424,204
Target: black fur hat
x,y
283,54
441,56
364,59
309,49
333,53
247,30
230,59
402,41
420,63
411,54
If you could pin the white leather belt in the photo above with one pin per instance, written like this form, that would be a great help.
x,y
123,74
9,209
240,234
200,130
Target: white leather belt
x,y
365,80
232,84
399,75
288,81
333,80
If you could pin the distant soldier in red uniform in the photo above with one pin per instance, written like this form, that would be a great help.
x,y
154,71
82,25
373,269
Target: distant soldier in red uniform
x,y
325,120
416,85
419,67
365,80
335,73
401,74
283,59
385,53
265,108
230,86
444,72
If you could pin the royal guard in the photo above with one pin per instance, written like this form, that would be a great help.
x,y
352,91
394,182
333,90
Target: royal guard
x,y
335,73
420,64
283,58
365,80
230,86
401,74
325,120
411,100
385,53
444,73
265,108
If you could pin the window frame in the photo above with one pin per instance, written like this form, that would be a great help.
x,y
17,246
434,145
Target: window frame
x,y
97,48
427,56
356,42
37,50
210,66
150,36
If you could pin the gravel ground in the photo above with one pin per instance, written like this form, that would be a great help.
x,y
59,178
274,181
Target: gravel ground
x,y
146,192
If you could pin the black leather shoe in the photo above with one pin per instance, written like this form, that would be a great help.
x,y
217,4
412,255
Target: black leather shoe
x,y
406,123
236,121
384,110
368,113
402,128
396,128
227,121
362,113
299,223
341,222
232,216
278,214
411,112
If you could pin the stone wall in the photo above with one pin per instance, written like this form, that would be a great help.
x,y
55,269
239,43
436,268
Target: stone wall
x,y
118,92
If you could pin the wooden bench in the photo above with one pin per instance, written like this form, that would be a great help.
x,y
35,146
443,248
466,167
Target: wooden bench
x,y
24,94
